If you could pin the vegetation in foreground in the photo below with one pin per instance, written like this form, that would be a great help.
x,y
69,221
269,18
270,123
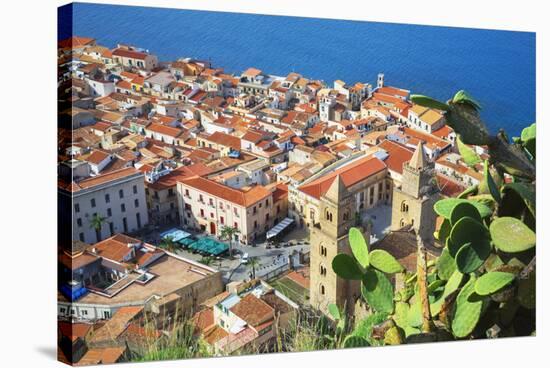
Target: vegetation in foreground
x,y
483,283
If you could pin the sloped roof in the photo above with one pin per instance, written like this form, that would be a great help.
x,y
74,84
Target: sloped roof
x,y
236,196
397,155
252,310
349,174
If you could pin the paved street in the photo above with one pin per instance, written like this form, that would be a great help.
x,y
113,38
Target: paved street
x,y
269,259
380,216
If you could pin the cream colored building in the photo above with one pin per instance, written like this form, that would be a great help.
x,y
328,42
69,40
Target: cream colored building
x,y
208,206
425,119
131,58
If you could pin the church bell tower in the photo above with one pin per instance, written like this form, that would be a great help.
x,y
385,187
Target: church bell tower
x,y
328,238
414,199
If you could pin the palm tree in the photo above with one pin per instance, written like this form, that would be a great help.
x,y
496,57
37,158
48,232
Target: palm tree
x,y
228,233
253,263
168,244
96,223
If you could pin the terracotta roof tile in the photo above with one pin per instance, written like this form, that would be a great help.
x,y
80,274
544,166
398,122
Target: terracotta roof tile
x,y
397,155
165,130
180,174
130,54
350,174
252,310
102,356
96,157
225,140
105,178
75,41
236,196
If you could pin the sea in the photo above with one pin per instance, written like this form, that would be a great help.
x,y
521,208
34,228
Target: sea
x,y
496,67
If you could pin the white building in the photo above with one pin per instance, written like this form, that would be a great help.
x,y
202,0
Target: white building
x,y
118,196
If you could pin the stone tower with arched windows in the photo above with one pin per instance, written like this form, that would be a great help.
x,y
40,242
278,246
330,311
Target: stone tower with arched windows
x,y
414,199
328,238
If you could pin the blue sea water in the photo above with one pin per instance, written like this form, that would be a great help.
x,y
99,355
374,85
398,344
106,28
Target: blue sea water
x,y
496,67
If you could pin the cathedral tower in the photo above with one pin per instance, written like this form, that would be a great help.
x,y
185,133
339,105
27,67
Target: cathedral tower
x,y
328,238
414,199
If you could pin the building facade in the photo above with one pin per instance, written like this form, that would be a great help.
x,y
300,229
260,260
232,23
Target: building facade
x,y
118,197
208,206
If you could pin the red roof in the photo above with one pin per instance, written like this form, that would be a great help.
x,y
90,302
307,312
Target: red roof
x,y
105,178
179,174
443,132
392,91
252,136
165,130
236,196
427,138
130,54
398,155
225,140
448,187
386,98
75,41
351,174
124,84
198,96
74,330
280,192
253,310
97,157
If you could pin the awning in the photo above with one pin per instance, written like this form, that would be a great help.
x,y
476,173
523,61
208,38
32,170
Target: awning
x,y
279,227
175,234
210,246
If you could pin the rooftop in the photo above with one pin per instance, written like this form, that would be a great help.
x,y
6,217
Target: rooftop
x,y
244,198
104,178
350,174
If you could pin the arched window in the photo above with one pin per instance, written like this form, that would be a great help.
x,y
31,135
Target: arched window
x,y
330,217
346,216
404,207
322,270
322,289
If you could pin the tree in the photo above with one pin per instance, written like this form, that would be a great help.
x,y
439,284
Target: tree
x,y
168,244
206,260
228,233
253,262
96,223
483,283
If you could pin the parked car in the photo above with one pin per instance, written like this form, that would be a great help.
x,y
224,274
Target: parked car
x,y
244,258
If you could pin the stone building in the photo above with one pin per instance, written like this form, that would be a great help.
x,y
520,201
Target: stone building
x,y
414,199
329,237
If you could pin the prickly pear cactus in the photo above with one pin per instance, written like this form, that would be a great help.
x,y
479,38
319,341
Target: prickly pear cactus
x,y
483,282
